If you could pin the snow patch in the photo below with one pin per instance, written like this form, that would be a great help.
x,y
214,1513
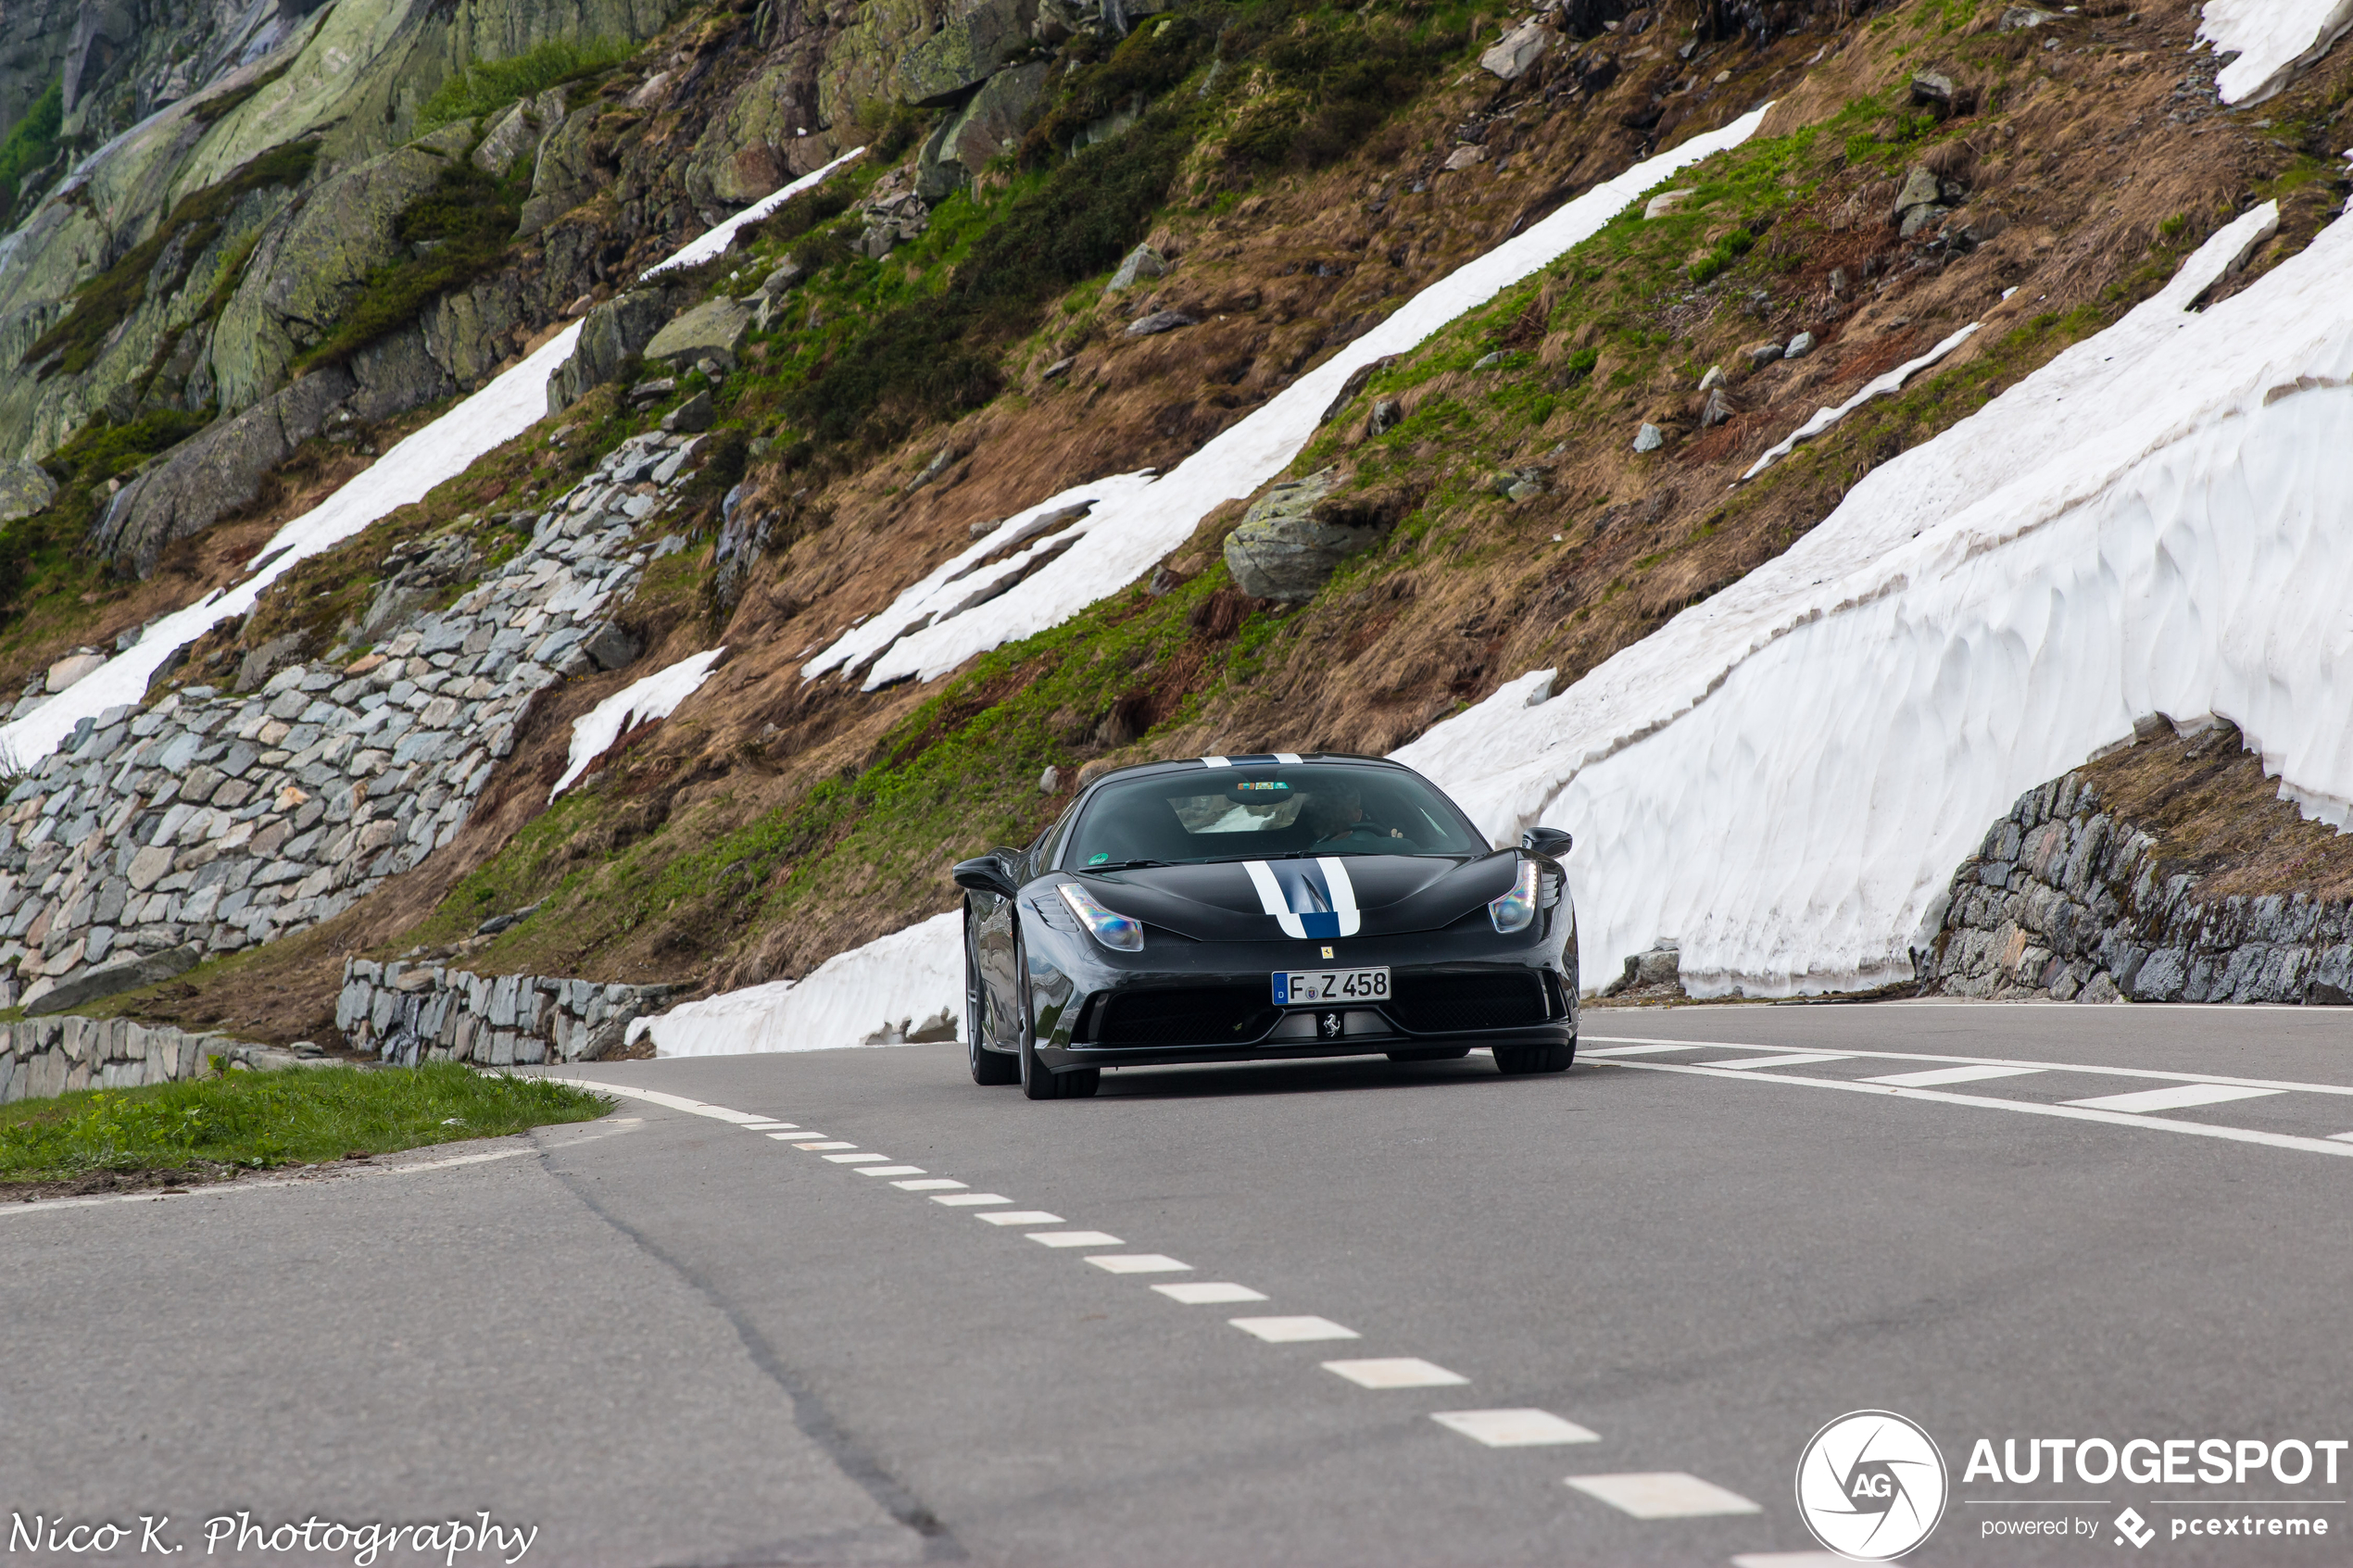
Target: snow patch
x,y
1786,775
873,994
1893,382
715,242
2274,38
656,696
1124,536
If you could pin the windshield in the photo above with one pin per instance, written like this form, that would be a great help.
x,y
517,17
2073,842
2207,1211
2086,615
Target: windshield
x,y
1255,813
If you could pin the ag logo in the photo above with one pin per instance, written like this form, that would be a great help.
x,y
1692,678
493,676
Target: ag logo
x,y
1872,1486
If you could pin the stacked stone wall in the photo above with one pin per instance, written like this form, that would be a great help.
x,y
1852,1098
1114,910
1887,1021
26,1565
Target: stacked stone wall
x,y
42,1058
2064,901
407,1013
217,821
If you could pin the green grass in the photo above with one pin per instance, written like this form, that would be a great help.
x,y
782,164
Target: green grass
x,y
44,559
256,1121
486,85
103,303
32,144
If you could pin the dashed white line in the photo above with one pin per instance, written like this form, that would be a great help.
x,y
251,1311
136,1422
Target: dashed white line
x,y
861,1158
929,1183
890,1170
1137,1263
1018,1216
831,1143
1937,1077
1292,1331
1396,1371
1663,1494
971,1199
1514,1428
790,1137
1785,1058
2180,1097
1209,1293
1075,1238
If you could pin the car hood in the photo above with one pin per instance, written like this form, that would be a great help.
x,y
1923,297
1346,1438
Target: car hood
x,y
1329,896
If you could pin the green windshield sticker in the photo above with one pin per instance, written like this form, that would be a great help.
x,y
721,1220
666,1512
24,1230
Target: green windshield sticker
x,y
1096,859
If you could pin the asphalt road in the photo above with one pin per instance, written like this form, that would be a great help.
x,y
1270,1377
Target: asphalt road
x,y
671,1338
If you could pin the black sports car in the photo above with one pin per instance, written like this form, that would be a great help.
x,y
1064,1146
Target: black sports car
x,y
1243,908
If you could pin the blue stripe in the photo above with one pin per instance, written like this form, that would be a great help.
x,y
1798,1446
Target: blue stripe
x,y
1321,923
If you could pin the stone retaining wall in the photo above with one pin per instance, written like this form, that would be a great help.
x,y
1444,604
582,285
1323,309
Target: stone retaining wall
x,y
2064,901
410,1012
43,1057
223,821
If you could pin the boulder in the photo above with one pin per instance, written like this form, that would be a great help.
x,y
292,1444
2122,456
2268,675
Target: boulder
x,y
565,174
125,975
1519,50
1666,202
965,52
1160,321
511,135
266,660
1141,263
25,488
1648,439
73,667
1920,188
1285,550
691,417
1799,347
215,471
992,123
610,647
713,330
610,335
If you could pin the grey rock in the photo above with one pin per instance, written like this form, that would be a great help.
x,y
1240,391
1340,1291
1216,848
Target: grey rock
x,y
265,662
1160,321
610,647
112,979
1141,263
964,52
713,330
696,414
1384,417
988,125
1648,439
1718,409
1932,89
1282,551
25,488
1799,347
1518,52
1919,218
610,335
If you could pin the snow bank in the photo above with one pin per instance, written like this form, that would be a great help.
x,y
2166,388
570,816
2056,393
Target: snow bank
x,y
497,414
873,994
2273,37
1880,386
656,696
715,242
1123,537
1784,777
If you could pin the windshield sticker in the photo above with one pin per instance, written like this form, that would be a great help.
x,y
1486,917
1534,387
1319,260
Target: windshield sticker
x,y
1096,859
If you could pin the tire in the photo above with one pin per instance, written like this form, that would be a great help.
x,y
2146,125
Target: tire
x,y
990,1069
1437,1053
1518,1061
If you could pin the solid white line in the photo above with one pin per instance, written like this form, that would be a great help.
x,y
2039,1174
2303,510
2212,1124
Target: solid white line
x,y
1290,1331
1792,1059
1137,1263
971,1199
1937,1077
1071,1239
1396,1371
1209,1293
2025,1108
1663,1494
1514,1428
890,1170
929,1183
2341,1137
2179,1099
2149,1073
1017,1216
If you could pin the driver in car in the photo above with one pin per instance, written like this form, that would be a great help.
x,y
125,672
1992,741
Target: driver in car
x,y
1339,814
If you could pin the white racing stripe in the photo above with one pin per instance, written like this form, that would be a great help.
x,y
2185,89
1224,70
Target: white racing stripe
x,y
1340,919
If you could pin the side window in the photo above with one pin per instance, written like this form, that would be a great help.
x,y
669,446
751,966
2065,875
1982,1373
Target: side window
x,y
1042,854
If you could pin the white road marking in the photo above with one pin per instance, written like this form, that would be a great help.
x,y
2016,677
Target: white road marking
x,y
2178,1098
2149,1073
1073,1238
2341,1137
1209,1293
971,1199
223,1188
1790,1560
1788,1058
929,1183
1514,1429
1292,1331
1396,1371
1937,1077
832,1142
1137,1263
792,1138
1663,1494
890,1170
764,1126
1656,1049
859,1159
1017,1216
2020,1107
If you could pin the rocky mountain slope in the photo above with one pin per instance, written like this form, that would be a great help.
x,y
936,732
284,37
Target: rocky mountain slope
x,y
1082,242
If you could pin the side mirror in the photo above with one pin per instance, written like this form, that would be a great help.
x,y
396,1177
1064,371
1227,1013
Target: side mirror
x,y
1548,841
984,873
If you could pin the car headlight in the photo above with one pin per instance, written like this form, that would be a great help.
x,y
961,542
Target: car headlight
x,y
1115,931
1514,909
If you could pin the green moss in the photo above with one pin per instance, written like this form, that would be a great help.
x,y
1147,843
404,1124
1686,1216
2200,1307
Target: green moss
x,y
31,146
41,557
218,108
486,85
103,303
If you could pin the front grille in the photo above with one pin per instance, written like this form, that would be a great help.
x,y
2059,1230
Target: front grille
x,y
1433,1004
1202,1015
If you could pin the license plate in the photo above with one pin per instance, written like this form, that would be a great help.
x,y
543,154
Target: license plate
x,y
1304,987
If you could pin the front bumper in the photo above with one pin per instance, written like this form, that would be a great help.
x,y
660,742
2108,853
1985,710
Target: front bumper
x,y
1181,1001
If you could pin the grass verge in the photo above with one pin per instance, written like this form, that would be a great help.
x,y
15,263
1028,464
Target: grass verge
x,y
211,1128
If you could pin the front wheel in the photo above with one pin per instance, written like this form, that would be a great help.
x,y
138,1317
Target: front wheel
x,y
1037,1081
1515,1060
991,1069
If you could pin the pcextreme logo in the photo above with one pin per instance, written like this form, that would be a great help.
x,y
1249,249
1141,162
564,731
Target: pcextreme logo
x,y
1872,1486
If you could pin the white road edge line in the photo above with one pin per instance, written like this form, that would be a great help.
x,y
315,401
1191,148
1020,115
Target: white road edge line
x,y
223,1188
1974,1061
2028,1108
